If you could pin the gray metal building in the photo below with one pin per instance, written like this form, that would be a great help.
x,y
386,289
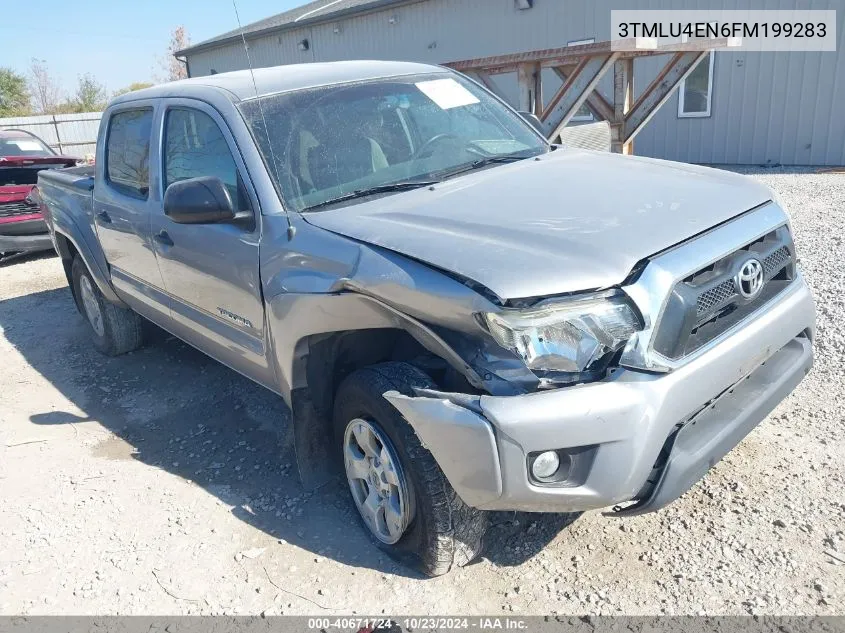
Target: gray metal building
x,y
736,108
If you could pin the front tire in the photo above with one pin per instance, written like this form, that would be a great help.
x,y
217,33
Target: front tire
x,y
115,330
404,499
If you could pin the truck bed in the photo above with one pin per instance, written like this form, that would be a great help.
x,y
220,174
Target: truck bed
x,y
77,177
69,191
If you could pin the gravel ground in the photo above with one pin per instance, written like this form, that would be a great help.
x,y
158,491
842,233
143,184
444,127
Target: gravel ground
x,y
157,483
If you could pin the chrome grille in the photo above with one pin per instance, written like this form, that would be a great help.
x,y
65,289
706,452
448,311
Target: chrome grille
x,y
709,299
707,303
11,209
775,262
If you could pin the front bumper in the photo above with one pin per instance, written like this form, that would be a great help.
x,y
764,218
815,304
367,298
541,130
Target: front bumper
x,y
696,414
25,243
25,236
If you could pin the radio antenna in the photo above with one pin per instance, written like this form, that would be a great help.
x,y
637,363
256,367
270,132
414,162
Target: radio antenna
x,y
291,228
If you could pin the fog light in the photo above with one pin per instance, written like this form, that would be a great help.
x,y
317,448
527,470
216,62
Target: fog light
x,y
545,465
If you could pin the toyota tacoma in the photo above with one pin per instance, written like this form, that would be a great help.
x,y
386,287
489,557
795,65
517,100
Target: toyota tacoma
x,y
461,316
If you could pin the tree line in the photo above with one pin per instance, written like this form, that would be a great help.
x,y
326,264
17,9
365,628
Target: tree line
x,y
39,92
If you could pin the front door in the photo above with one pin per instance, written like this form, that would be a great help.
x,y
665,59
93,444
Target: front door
x,y
211,271
122,209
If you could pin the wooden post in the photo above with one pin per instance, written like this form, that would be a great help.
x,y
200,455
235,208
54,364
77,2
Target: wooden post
x,y
538,90
58,137
575,91
581,68
525,74
595,101
659,91
623,99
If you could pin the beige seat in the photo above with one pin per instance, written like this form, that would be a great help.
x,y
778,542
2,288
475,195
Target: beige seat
x,y
331,162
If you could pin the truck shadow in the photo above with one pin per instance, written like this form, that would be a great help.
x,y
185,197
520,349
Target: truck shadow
x,y
183,412
22,258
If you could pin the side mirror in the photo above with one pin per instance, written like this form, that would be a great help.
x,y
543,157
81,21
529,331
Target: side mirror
x,y
534,120
202,200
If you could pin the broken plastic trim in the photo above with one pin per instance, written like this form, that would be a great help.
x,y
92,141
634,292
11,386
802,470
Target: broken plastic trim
x,y
459,437
465,400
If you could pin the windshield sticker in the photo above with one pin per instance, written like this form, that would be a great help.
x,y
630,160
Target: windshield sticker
x,y
447,93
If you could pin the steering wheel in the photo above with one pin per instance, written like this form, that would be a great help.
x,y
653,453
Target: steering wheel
x,y
437,138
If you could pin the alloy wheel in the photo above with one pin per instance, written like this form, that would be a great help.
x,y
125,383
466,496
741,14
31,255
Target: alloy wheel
x,y
375,477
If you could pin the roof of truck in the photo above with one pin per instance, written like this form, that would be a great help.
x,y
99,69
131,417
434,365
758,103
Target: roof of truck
x,y
239,84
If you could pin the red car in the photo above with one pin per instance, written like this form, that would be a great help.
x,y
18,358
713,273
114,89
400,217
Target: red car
x,y
22,156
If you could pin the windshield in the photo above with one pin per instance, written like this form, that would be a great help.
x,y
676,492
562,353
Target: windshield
x,y
23,146
339,142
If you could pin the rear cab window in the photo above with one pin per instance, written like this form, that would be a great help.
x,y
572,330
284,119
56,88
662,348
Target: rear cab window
x,y
128,152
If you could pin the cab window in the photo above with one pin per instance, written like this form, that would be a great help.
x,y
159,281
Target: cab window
x,y
194,146
128,152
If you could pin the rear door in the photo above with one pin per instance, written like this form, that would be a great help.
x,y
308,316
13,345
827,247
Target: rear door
x,y
122,207
211,271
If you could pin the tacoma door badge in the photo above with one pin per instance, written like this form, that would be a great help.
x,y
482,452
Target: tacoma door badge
x,y
234,317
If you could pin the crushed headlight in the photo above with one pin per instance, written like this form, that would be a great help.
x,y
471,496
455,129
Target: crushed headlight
x,y
566,335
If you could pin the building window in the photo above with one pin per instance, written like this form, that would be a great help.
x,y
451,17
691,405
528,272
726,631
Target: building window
x,y
696,90
584,113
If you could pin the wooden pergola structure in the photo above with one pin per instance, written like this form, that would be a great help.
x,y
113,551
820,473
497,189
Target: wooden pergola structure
x,y
581,68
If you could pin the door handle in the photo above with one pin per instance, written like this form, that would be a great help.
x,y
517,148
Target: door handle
x,y
162,237
104,217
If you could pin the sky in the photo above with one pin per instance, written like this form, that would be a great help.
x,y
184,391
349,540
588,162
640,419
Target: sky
x,y
118,41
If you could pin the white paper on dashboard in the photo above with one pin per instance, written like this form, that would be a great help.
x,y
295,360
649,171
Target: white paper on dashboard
x,y
447,93
25,145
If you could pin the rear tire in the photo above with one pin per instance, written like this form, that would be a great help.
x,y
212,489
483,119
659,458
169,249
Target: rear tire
x,y
441,530
115,330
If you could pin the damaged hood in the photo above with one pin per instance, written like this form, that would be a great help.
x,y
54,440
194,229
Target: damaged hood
x,y
572,220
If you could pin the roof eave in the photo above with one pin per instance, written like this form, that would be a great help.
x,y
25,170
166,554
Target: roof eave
x,y
374,6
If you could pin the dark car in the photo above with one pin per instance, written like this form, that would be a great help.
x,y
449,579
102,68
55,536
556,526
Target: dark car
x,y
22,156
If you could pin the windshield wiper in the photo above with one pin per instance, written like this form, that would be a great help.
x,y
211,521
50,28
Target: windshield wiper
x,y
482,162
405,185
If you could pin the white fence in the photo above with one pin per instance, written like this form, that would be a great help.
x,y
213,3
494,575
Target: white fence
x,y
70,134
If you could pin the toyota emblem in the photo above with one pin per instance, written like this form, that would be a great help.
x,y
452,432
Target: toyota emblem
x,y
749,279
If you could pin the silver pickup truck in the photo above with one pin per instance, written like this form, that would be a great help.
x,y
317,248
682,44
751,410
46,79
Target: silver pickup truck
x,y
462,317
